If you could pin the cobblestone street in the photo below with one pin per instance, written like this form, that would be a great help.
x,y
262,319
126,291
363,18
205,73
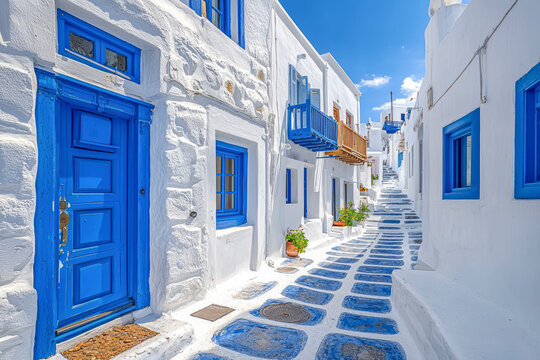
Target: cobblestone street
x,y
332,303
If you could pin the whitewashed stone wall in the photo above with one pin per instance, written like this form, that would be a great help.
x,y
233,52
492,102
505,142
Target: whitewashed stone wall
x,y
488,246
189,68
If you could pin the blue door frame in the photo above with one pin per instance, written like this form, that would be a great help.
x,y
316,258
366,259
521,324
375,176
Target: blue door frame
x,y
305,192
334,200
54,93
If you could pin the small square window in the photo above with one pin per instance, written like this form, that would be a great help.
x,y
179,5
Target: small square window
x,y
461,158
81,45
527,142
116,60
80,41
231,185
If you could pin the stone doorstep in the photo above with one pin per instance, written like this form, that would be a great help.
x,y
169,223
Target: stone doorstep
x,y
174,336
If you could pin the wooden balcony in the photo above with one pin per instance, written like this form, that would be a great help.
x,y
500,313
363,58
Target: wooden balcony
x,y
352,146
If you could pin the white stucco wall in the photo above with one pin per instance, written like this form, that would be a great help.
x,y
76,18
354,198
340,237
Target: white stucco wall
x,y
489,245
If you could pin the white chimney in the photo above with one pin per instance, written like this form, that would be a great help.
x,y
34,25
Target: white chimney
x,y
435,5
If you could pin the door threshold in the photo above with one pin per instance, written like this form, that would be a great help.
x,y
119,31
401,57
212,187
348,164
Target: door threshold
x,y
81,326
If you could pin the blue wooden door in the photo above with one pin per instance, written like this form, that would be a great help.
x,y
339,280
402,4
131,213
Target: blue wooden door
x,y
93,277
334,200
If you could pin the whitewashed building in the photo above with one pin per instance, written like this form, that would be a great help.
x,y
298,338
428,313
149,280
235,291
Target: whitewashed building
x,y
471,165
144,153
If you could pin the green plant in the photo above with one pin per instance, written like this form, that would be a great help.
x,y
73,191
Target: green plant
x,y
298,238
374,177
349,214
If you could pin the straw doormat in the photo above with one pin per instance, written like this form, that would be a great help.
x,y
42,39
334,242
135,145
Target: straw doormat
x,y
110,343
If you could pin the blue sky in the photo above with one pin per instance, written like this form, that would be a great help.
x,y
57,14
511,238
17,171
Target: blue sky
x,y
377,40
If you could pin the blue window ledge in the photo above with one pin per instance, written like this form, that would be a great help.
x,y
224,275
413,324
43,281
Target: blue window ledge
x,y
94,47
231,185
461,158
527,141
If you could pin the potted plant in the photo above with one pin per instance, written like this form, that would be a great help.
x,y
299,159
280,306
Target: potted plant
x,y
296,241
347,214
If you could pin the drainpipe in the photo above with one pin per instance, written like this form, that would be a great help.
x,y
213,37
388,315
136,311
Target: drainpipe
x,y
391,108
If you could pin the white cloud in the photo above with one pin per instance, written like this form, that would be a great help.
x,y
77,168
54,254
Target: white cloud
x,y
409,88
375,82
397,102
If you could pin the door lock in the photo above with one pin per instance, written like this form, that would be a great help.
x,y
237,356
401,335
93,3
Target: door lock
x,y
64,222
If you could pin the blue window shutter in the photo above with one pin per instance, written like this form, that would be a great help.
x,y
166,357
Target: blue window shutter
x,y
315,97
293,86
196,6
288,187
304,90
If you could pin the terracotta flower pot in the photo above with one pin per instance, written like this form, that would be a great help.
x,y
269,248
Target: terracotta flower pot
x,y
291,250
339,223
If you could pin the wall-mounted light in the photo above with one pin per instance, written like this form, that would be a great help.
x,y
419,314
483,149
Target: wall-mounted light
x,y
301,56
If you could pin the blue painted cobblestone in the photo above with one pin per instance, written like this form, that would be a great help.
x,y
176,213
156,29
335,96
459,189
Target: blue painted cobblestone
x,y
343,260
319,283
376,269
372,289
334,266
261,340
371,324
367,304
307,295
387,251
384,262
328,273
344,347
373,278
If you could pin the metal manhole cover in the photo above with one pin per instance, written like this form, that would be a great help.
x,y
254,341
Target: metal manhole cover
x,y
288,313
287,269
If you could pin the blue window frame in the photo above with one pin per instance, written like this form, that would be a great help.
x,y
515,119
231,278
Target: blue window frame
x,y
83,42
288,195
231,185
218,12
402,117
399,158
461,158
527,142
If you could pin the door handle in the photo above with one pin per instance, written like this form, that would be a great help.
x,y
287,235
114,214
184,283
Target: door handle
x,y
64,222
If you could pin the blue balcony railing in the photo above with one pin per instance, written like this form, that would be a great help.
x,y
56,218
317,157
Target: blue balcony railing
x,y
311,128
392,127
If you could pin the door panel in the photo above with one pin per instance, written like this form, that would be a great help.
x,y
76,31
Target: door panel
x,y
93,181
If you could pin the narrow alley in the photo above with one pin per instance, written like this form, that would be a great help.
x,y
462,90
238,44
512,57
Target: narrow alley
x,y
269,179
334,303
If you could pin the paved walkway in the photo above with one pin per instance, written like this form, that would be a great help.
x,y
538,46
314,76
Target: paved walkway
x,y
334,303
